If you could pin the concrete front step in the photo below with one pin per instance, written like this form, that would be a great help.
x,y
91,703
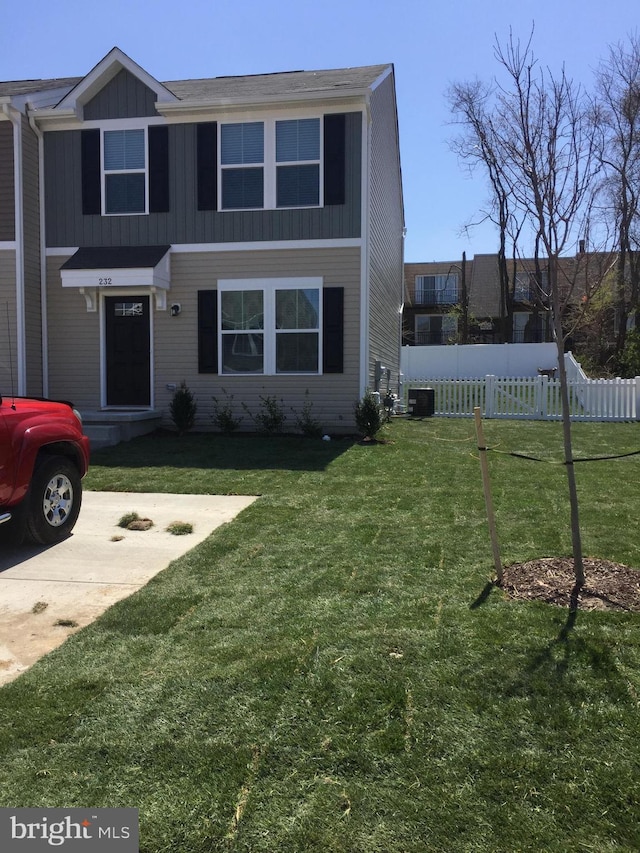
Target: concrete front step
x,y
109,427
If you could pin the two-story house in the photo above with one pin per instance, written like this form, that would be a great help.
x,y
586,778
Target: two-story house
x,y
241,234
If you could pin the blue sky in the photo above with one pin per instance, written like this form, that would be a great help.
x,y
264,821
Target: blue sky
x,y
431,43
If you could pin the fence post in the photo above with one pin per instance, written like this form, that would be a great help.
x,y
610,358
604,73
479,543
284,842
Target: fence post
x,y
489,395
482,449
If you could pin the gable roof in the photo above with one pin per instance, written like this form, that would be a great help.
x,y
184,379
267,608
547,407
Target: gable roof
x,y
74,92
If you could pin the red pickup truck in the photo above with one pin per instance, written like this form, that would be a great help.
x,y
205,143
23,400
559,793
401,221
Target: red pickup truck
x,y
44,455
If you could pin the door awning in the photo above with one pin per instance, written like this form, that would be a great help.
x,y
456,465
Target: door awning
x,y
92,269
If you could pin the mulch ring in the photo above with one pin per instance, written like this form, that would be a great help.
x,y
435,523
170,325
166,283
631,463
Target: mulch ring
x,y
608,586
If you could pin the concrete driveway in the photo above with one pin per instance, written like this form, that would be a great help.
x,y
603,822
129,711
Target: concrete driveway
x,y
48,593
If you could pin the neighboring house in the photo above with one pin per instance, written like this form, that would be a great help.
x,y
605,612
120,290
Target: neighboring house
x,y
241,234
21,245
435,297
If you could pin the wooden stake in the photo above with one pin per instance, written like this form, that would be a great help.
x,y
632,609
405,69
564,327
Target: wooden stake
x,y
482,449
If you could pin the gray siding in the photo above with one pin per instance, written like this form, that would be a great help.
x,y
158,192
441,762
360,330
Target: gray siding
x,y
123,97
7,220
74,338
32,286
8,352
386,222
66,226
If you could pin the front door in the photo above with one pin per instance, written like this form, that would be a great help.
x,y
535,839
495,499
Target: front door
x,y
128,355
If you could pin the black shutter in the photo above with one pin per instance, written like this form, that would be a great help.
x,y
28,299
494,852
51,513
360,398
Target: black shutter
x,y
334,158
207,331
207,176
158,169
333,330
90,165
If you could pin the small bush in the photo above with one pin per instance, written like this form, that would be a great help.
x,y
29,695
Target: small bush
x,y
270,417
183,409
223,416
305,421
127,518
180,528
368,416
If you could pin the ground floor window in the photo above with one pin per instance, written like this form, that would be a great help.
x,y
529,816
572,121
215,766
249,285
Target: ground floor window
x,y
270,326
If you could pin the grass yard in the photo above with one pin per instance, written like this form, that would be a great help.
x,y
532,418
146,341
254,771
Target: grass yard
x,y
332,671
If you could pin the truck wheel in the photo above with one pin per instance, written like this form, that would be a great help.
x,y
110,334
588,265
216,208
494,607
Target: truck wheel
x,y
54,500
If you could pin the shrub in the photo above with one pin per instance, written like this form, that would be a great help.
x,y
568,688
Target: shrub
x,y
305,421
223,416
270,417
183,408
368,415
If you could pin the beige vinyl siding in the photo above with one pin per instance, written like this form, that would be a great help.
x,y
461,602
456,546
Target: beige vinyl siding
x,y
74,338
74,342
386,223
31,234
176,338
7,177
8,350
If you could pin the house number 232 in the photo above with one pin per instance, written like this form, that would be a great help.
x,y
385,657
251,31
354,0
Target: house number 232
x,y
104,282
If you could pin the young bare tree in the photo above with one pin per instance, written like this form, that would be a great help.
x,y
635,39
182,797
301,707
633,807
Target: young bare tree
x,y
618,92
543,148
478,147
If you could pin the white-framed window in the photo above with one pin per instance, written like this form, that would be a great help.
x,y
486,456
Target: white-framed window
x,y
270,164
242,165
435,329
437,289
298,162
124,171
270,326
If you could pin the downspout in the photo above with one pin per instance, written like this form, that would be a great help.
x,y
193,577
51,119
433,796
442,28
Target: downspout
x,y
43,258
15,118
365,283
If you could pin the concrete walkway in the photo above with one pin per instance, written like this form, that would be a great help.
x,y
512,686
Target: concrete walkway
x,y
48,593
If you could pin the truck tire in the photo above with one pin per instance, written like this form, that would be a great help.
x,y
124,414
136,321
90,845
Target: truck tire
x,y
54,500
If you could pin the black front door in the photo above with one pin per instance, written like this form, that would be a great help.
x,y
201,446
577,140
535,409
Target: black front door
x,y
128,351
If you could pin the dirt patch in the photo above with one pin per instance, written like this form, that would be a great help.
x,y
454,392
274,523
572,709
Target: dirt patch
x,y
608,585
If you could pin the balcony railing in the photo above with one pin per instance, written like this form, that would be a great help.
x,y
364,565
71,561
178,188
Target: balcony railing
x,y
448,296
438,338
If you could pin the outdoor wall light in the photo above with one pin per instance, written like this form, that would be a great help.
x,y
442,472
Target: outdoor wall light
x,y
175,309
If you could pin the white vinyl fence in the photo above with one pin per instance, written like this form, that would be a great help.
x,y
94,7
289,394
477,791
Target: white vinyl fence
x,y
531,397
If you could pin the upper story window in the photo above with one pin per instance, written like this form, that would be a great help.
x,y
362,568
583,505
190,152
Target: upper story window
x,y
270,164
242,165
125,171
437,289
298,163
528,288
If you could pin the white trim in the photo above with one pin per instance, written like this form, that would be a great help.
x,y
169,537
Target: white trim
x,y
21,353
44,324
267,245
8,245
256,246
364,260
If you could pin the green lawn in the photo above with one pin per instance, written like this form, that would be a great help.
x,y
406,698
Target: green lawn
x,y
331,671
